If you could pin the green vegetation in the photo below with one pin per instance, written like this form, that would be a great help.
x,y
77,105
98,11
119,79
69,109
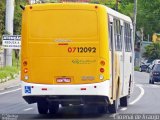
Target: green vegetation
x,y
8,72
136,68
152,51
2,18
17,17
148,16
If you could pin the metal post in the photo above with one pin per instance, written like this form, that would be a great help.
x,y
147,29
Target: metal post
x,y
9,29
134,23
134,19
141,42
116,5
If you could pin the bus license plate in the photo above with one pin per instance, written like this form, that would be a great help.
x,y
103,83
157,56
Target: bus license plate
x,y
63,80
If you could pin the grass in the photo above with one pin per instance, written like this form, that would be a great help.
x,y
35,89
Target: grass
x,y
136,68
10,71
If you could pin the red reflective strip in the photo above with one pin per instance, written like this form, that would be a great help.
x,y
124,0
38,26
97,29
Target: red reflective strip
x,y
63,44
44,88
83,88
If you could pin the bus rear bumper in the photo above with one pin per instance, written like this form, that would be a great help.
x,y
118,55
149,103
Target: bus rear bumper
x,y
95,89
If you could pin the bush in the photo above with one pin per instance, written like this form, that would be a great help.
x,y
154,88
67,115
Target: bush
x,y
136,68
8,72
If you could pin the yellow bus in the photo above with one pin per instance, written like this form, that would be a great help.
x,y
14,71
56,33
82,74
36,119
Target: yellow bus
x,y
76,54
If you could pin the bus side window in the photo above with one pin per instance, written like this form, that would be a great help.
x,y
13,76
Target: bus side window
x,y
117,35
130,39
110,35
127,37
121,36
119,39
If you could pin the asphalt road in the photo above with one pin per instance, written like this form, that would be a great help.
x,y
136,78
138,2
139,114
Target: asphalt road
x,y
145,100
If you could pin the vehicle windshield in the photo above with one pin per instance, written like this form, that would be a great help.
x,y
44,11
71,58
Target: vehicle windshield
x,y
144,66
157,67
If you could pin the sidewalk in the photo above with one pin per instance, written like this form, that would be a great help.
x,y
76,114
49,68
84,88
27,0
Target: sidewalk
x,y
10,83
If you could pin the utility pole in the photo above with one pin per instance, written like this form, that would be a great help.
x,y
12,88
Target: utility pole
x,y
140,50
134,26
117,5
134,19
9,29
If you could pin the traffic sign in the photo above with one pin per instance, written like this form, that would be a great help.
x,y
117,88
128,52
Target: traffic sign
x,y
11,41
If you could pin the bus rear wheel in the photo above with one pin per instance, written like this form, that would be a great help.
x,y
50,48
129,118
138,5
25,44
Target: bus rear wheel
x,y
102,109
53,107
124,101
42,107
112,108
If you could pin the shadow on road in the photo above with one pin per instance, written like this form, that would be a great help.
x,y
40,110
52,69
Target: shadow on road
x,y
72,112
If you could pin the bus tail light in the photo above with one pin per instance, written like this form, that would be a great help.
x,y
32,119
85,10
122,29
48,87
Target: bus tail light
x,y
26,77
25,63
102,62
25,70
101,77
102,70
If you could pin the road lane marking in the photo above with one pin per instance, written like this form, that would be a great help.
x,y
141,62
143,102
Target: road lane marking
x,y
140,95
113,115
27,109
137,99
10,91
123,109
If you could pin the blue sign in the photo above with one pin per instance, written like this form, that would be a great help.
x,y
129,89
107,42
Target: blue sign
x,y
27,89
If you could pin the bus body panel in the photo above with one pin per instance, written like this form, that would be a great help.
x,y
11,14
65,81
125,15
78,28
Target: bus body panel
x,y
66,48
67,45
64,90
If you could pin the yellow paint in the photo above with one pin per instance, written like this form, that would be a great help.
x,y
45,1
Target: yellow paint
x,y
45,26
156,37
116,76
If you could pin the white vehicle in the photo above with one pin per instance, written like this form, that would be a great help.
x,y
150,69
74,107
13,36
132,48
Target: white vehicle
x,y
157,61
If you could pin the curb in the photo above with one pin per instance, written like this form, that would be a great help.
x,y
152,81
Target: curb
x,y
3,81
8,78
13,86
9,87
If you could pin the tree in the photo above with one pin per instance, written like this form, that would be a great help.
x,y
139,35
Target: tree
x,y
18,16
148,16
2,18
152,51
126,7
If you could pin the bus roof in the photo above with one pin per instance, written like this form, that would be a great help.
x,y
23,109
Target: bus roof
x,y
118,15
82,5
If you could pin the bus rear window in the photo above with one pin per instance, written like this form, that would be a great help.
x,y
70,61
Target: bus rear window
x,y
63,24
